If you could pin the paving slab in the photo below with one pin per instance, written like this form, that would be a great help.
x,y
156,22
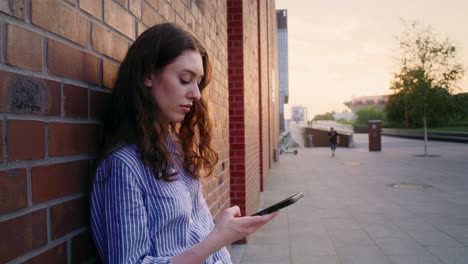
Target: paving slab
x,y
391,206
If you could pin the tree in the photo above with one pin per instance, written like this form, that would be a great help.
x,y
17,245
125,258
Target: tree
x,y
396,110
326,116
364,115
426,63
460,104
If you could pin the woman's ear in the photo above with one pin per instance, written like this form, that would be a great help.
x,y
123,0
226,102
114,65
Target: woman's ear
x,y
148,79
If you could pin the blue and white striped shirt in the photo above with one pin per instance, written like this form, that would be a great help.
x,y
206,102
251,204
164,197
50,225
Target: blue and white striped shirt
x,y
138,219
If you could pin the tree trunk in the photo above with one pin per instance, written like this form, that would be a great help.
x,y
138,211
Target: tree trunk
x,y
425,133
406,110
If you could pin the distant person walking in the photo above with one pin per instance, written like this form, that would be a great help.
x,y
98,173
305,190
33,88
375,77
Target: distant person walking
x,y
334,139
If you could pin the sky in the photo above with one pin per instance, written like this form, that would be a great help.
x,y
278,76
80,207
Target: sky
x,y
348,48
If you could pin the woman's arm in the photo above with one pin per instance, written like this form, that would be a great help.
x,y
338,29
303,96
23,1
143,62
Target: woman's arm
x,y
229,228
120,225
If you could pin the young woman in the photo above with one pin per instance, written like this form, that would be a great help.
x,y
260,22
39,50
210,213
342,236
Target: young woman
x,y
147,204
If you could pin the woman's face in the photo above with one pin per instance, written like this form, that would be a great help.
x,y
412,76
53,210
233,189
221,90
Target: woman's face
x,y
175,88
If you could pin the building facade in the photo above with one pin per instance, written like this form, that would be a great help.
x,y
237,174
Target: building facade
x,y
299,114
58,61
283,70
366,102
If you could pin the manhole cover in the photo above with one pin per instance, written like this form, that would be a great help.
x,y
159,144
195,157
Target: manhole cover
x,y
351,163
410,186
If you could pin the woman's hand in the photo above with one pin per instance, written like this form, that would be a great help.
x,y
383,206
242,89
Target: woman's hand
x,y
231,226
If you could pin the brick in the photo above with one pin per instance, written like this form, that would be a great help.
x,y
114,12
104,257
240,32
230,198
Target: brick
x,y
53,98
22,94
78,65
100,102
108,43
149,17
26,140
56,254
83,250
166,11
15,8
75,100
72,139
24,48
179,8
123,3
92,7
141,28
109,73
58,180
117,17
68,216
24,233
135,7
154,3
13,190
1,141
56,17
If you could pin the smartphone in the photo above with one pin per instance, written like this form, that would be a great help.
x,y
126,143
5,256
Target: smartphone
x,y
286,202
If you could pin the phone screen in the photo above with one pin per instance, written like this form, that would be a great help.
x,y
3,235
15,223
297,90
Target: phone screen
x,y
286,202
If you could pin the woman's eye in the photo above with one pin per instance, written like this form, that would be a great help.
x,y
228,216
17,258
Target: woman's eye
x,y
182,81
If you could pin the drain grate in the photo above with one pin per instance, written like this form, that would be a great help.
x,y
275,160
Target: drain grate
x,y
410,186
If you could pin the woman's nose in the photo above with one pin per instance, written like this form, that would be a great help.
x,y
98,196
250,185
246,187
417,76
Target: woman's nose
x,y
195,92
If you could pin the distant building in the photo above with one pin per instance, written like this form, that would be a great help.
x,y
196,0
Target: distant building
x,y
281,20
299,114
366,102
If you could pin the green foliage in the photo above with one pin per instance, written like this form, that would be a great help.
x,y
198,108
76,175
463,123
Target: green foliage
x,y
395,109
438,107
326,116
427,76
366,114
460,105
345,122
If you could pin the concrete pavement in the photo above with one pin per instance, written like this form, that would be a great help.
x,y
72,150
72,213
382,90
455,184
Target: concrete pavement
x,y
365,207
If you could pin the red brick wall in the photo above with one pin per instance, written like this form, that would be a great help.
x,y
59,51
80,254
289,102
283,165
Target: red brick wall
x,y
216,189
251,106
58,60
236,103
264,95
273,90
251,67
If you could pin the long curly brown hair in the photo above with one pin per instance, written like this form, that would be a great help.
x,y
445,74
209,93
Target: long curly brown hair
x,y
133,114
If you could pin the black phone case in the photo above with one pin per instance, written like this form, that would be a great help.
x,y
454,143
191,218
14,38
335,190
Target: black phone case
x,y
286,202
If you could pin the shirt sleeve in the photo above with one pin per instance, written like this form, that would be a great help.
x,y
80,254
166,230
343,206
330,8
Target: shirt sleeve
x,y
126,229
222,256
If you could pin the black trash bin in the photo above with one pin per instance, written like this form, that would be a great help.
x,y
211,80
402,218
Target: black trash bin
x,y
375,135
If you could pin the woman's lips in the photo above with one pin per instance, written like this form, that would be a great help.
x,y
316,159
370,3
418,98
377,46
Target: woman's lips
x,y
186,108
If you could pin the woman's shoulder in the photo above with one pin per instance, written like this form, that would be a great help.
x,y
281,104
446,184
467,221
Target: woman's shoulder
x,y
125,155
127,151
124,158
